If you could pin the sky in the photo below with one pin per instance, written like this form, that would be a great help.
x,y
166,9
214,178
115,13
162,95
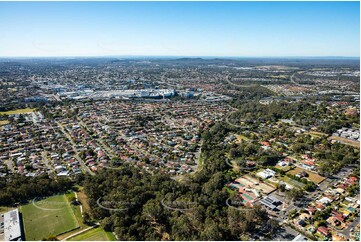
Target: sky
x,y
239,29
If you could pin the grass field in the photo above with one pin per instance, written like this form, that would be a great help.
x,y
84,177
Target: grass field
x,y
200,161
48,217
78,216
75,209
311,176
97,234
240,138
18,111
229,190
283,168
292,182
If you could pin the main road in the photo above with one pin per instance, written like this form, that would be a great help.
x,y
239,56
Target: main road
x,y
292,80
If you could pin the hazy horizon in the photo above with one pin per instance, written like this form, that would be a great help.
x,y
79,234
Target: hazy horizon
x,y
184,56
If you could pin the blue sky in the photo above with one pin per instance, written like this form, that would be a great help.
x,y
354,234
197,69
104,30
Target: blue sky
x,y
180,28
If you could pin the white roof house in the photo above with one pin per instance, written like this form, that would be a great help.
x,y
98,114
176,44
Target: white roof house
x,y
325,200
267,173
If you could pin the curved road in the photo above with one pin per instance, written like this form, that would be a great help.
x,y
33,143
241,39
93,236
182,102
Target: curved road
x,y
292,80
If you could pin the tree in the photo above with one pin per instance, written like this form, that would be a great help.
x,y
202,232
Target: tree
x,y
115,161
282,187
107,224
86,218
211,231
273,225
295,194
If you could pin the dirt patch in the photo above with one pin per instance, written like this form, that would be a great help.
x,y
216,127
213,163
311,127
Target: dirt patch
x,y
315,178
84,200
346,141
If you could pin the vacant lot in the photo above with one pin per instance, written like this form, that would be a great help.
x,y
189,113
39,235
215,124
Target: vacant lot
x,y
254,183
317,134
283,168
292,182
3,122
18,111
83,200
97,234
346,141
311,176
48,217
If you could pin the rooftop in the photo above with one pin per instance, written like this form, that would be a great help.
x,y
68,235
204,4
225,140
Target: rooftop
x,y
12,229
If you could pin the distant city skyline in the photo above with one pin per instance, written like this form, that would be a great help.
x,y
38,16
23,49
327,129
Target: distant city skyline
x,y
218,29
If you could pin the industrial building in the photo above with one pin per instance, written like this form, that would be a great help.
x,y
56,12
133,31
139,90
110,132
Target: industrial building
x,y
271,202
12,226
267,173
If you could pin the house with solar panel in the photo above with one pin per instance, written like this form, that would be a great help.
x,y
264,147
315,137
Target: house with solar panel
x,y
271,203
